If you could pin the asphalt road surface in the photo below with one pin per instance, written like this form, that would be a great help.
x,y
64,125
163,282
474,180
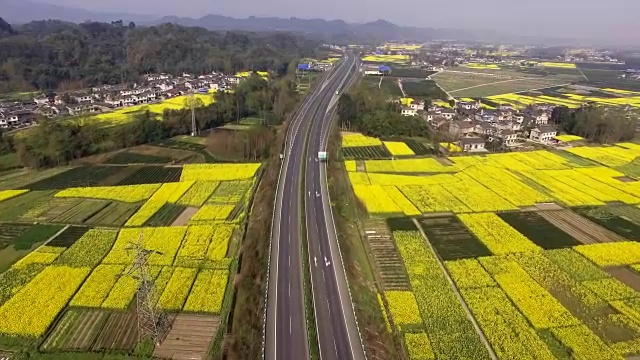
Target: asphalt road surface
x,y
338,336
286,329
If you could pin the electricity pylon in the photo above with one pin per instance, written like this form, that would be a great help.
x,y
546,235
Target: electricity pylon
x,y
152,322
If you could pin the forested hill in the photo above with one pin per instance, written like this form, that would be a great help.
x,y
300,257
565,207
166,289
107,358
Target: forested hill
x,y
53,54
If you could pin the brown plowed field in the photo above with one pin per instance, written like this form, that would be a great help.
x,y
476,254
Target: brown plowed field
x,y
119,333
189,338
580,228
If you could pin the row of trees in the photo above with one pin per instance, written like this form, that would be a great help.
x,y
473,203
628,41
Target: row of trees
x,y
601,124
52,55
53,143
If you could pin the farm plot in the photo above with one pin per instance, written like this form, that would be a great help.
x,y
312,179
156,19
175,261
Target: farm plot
x,y
115,214
81,212
579,228
125,158
68,237
539,230
153,175
450,331
423,88
179,144
385,255
76,330
451,239
12,209
365,152
83,176
167,214
417,147
10,232
120,332
189,338
609,220
230,192
506,87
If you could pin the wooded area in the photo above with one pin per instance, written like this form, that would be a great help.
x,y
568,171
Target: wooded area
x,y
605,125
54,55
367,110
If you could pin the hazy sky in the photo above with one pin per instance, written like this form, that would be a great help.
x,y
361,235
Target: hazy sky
x,y
588,18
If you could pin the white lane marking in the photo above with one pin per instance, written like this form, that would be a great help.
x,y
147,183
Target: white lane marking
x,y
284,167
322,190
289,324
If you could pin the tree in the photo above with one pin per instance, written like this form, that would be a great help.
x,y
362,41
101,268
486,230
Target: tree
x,y
54,54
5,28
132,25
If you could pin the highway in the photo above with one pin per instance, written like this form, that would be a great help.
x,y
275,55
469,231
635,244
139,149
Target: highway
x,y
338,336
286,335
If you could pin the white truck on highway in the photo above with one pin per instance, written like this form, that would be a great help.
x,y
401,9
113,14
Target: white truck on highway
x,y
322,155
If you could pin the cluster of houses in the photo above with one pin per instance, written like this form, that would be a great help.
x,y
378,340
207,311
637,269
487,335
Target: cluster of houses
x,y
153,88
472,126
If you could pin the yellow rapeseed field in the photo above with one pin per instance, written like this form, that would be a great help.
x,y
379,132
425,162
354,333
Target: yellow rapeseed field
x,y
398,148
403,308
353,140
126,193
207,292
30,312
218,172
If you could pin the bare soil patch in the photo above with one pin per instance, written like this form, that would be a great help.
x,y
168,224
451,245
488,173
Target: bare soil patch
x,y
626,275
189,337
625,179
186,215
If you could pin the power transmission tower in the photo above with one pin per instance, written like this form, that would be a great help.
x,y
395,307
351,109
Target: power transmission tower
x,y
194,126
152,322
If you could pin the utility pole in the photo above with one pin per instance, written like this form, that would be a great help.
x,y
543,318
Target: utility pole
x,y
194,126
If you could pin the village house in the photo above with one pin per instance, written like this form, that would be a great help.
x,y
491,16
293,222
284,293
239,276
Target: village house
x,y
537,117
508,137
83,98
468,105
505,107
472,144
504,116
484,128
543,133
417,105
430,115
448,113
518,117
461,128
407,111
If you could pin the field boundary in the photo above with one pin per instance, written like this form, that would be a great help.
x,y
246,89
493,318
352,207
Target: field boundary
x,y
457,292
493,83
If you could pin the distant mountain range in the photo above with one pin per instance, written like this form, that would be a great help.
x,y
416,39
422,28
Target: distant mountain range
x,y
22,11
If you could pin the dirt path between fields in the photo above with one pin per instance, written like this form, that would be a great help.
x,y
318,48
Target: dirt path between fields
x,y
186,215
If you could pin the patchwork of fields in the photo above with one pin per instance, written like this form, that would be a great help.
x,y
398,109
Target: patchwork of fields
x,y
521,255
569,97
72,291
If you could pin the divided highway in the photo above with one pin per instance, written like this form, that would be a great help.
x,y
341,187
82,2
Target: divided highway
x,y
286,329
338,336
